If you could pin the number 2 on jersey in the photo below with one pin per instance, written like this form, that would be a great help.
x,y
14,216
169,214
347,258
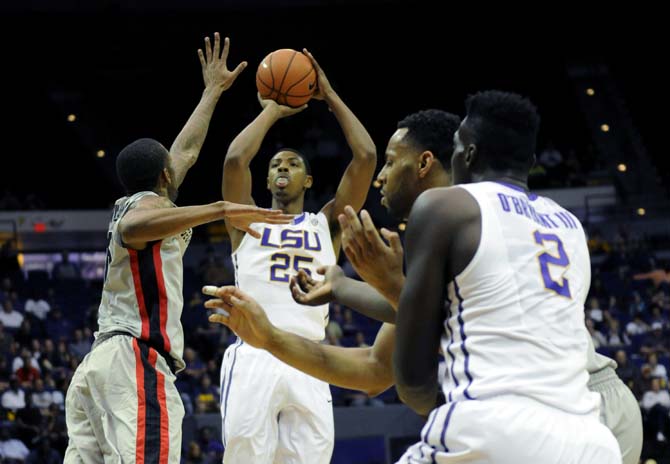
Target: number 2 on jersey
x,y
563,287
278,271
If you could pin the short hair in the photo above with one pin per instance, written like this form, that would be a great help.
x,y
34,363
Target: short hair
x,y
308,168
139,165
505,127
432,130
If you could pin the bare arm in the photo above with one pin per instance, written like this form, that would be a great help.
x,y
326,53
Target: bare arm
x,y
236,185
337,287
436,251
355,183
365,369
186,147
156,218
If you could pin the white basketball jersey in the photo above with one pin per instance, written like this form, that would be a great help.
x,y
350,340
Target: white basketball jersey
x,y
264,267
515,323
142,292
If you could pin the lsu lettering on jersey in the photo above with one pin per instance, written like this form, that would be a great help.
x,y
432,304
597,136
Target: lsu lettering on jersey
x,y
142,292
264,267
515,317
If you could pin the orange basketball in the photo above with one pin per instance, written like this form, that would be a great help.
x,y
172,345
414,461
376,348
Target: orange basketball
x,y
287,77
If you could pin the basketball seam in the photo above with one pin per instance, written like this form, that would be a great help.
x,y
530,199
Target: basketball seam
x,y
288,66
299,81
271,74
269,87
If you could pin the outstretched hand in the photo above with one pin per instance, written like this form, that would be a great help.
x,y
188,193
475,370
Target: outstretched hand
x,y
215,71
242,314
308,291
242,216
377,263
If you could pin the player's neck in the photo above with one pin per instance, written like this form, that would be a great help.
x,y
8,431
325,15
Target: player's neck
x,y
294,206
505,177
439,179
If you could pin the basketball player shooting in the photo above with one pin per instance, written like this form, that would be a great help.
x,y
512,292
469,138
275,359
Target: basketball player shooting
x,y
272,412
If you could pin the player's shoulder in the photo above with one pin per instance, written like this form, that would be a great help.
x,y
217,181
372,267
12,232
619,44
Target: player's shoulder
x,y
455,200
444,209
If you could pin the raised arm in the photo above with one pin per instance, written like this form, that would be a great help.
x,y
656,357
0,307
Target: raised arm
x,y
365,369
236,185
355,183
186,147
155,218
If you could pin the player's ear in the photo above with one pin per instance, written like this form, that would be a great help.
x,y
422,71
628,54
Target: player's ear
x,y
471,155
165,174
268,182
426,160
308,182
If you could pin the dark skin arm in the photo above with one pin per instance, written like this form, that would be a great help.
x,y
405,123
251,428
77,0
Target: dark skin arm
x,y
442,237
355,183
155,218
335,286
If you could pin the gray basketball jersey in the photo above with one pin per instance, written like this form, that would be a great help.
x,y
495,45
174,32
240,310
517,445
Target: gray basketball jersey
x,y
142,291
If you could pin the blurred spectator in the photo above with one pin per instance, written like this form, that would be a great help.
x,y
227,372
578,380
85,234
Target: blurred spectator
x,y
41,398
14,398
194,367
213,269
656,404
79,346
655,342
349,327
614,335
6,339
210,445
207,394
626,370
595,313
27,373
597,337
29,422
57,326
637,306
637,326
360,340
24,336
11,449
44,453
55,428
334,330
66,270
194,455
657,316
10,318
657,370
37,306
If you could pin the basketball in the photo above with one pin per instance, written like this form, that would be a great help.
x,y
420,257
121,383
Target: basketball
x,y
287,77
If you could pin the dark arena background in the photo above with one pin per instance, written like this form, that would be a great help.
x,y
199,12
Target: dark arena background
x,y
80,80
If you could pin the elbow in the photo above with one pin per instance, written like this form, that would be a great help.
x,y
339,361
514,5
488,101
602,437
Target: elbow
x,y
368,155
382,382
421,402
234,159
130,233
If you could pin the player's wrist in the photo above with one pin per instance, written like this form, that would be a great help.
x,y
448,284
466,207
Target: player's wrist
x,y
392,288
213,91
273,339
